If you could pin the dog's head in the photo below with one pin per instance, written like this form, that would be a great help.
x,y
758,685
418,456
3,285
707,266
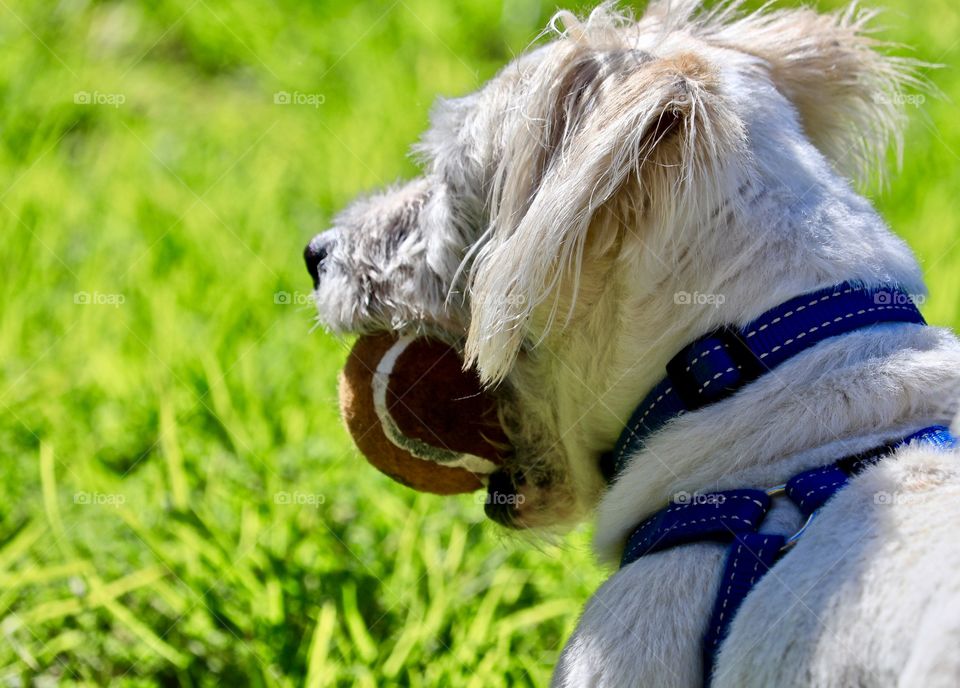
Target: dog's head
x,y
566,204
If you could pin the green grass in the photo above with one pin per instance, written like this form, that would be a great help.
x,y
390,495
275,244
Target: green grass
x,y
148,437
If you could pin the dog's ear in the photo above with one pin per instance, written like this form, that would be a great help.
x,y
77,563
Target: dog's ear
x,y
602,119
847,91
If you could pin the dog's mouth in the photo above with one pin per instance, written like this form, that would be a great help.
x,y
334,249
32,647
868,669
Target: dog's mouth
x,y
504,497
515,500
524,500
418,417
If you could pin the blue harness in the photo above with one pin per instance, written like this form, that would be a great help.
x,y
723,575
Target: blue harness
x,y
713,368
718,364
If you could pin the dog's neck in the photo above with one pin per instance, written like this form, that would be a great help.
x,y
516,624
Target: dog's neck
x,y
785,225
789,228
847,395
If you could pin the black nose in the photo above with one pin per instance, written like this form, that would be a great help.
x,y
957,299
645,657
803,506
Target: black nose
x,y
314,255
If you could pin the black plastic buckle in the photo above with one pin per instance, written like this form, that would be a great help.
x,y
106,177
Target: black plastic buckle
x,y
691,390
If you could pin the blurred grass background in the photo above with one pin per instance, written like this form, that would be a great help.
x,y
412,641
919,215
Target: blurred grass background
x,y
180,504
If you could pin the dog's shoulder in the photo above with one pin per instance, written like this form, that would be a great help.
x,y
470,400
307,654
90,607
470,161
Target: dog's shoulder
x,y
882,553
644,625
881,556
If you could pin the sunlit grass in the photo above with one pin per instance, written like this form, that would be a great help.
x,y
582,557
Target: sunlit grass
x,y
180,503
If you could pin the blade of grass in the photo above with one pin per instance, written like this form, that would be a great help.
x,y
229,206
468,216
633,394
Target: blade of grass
x,y
170,447
48,480
319,671
357,628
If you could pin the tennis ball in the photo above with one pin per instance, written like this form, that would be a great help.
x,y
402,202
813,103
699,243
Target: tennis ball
x,y
418,417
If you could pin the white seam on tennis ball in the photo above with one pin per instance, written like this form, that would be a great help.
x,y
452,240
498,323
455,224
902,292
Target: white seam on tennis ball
x,y
422,450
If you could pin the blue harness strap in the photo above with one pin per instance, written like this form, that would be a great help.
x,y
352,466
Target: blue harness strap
x,y
749,557
811,489
735,516
713,516
718,364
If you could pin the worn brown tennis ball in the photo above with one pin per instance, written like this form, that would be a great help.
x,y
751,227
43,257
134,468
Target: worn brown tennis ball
x,y
418,417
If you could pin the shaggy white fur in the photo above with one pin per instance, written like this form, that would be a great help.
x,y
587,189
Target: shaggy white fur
x,y
864,599
567,212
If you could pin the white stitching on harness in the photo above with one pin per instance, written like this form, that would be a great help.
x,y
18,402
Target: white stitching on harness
x,y
808,493
756,565
726,594
645,541
797,310
714,378
813,329
643,418
719,346
776,348
679,507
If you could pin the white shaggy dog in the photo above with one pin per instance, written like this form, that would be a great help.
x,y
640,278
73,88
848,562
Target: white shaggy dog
x,y
607,199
